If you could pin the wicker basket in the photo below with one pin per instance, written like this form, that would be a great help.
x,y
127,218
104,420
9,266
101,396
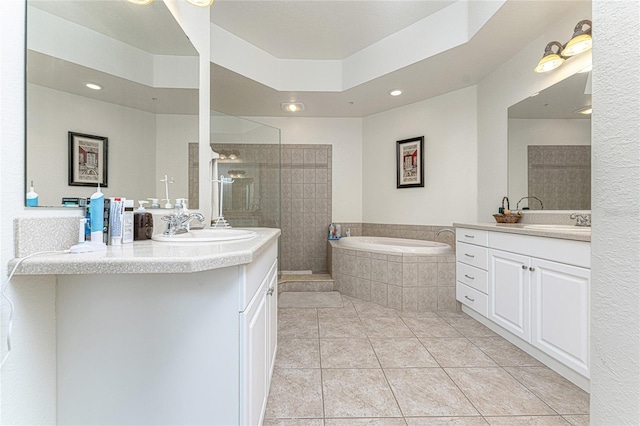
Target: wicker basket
x,y
507,218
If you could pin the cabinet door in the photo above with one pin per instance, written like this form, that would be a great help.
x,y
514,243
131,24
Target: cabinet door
x,y
272,320
253,352
560,312
509,298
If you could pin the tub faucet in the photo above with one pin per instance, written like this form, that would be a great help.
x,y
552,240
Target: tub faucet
x,y
445,230
581,219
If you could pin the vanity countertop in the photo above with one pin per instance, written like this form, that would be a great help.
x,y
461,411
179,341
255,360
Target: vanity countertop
x,y
520,228
146,257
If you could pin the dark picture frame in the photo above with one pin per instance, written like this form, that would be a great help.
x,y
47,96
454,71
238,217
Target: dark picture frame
x,y
410,162
88,160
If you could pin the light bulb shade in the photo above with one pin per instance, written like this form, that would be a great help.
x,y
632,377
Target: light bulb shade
x,y
578,44
201,3
550,60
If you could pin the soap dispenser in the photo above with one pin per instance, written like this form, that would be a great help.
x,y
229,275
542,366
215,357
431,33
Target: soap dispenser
x,y
32,197
142,223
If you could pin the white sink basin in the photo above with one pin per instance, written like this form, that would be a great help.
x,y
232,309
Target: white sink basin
x,y
560,228
207,235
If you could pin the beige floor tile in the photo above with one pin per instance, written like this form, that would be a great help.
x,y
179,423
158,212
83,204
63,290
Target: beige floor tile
x,y
495,393
347,353
427,392
386,327
427,314
561,395
456,352
578,420
297,328
298,353
357,393
446,421
430,327
389,421
293,422
402,353
341,327
504,353
527,421
295,393
297,313
347,311
310,299
466,325
368,309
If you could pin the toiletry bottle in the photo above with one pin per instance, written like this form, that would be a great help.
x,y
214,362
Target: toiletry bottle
x,y
143,223
331,231
96,211
116,221
32,197
154,203
338,230
127,218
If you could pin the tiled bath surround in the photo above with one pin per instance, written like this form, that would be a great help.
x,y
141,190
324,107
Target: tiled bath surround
x,y
410,283
306,207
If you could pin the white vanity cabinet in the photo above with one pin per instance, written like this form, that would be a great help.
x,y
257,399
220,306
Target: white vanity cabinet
x,y
172,348
538,290
471,269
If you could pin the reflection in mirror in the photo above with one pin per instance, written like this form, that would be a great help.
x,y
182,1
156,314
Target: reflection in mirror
x,y
550,147
250,155
147,106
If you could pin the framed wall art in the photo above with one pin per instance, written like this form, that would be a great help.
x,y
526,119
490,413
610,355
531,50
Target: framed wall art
x,y
410,162
88,164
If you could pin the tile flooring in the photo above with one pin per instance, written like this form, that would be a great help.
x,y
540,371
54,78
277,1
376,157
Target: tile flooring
x,y
365,364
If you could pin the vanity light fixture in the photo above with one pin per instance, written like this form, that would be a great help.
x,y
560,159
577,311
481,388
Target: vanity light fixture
x,y
93,86
201,3
580,42
395,92
292,106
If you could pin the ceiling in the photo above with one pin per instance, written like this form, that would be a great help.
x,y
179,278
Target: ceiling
x,y
307,29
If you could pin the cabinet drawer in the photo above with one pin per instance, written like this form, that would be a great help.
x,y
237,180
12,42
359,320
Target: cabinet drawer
x,y
472,276
472,255
472,298
472,236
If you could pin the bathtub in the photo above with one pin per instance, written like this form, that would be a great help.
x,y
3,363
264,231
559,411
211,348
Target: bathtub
x,y
393,245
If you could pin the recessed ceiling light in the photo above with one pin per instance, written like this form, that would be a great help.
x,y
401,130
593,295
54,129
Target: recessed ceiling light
x,y
93,86
292,106
201,3
584,110
395,92
140,2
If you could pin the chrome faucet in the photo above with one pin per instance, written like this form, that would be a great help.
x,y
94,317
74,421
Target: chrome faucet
x,y
445,230
178,223
581,219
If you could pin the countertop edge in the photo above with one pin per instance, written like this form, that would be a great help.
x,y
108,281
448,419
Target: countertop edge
x,y
515,228
189,258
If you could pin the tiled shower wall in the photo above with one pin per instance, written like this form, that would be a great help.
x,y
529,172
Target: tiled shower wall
x,y
560,176
306,207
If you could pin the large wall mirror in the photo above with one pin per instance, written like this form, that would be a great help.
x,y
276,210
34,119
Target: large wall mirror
x,y
147,107
550,147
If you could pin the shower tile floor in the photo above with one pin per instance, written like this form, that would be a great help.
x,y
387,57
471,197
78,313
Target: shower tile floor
x,y
363,364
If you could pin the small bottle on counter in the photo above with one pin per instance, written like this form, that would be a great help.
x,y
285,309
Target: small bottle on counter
x,y
338,230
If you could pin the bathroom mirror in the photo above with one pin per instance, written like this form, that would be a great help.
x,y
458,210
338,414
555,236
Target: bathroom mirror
x,y
147,107
550,147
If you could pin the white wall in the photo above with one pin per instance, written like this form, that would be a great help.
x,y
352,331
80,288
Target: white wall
x,y
615,247
28,380
131,145
509,84
345,134
525,132
448,124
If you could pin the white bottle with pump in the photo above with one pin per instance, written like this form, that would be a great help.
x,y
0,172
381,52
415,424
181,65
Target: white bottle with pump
x,y
32,197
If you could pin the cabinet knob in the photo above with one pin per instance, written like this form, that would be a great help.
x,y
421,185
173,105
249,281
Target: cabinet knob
x,y
532,269
468,298
471,278
524,266
270,291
